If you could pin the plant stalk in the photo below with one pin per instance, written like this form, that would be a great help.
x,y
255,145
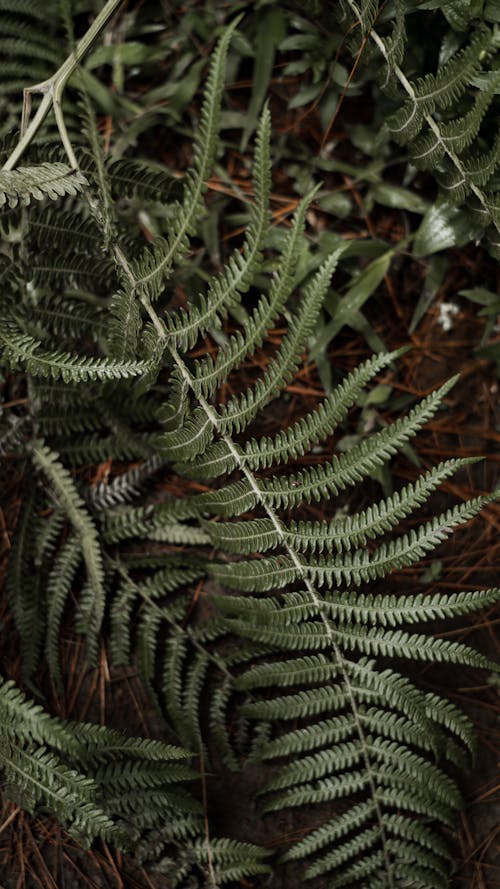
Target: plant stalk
x,y
53,88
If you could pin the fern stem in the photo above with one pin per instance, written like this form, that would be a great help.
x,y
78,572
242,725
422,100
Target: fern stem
x,y
52,90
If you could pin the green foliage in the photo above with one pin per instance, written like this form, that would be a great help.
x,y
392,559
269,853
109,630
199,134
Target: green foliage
x,y
444,115
289,663
45,180
78,770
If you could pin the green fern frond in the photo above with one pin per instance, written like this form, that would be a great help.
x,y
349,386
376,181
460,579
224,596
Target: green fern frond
x,y
46,180
37,776
224,290
59,586
20,348
455,136
68,497
232,860
298,438
57,777
151,269
438,91
209,373
327,478
476,170
23,588
295,680
340,534
240,411
57,270
132,178
69,317
125,487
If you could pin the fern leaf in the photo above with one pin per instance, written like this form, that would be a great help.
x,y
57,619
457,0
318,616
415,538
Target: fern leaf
x,y
20,348
67,495
455,136
46,180
238,273
59,587
297,439
24,589
151,269
209,374
240,411
431,92
259,535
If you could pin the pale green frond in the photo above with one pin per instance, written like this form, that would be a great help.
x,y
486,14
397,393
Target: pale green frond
x,y
437,91
241,410
45,180
343,533
360,608
232,860
349,568
187,441
225,289
209,373
67,496
374,641
150,271
476,169
455,136
20,348
348,469
125,522
298,438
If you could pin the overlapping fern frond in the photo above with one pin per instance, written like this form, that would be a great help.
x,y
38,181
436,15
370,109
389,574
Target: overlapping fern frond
x,y
446,119
289,665
82,772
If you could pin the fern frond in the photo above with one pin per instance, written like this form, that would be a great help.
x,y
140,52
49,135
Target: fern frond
x,y
151,269
232,860
187,441
23,586
37,776
362,609
59,586
209,373
455,136
20,348
343,533
133,178
46,180
297,679
325,479
437,91
298,438
67,495
240,411
157,586
225,289
477,170
125,487
373,641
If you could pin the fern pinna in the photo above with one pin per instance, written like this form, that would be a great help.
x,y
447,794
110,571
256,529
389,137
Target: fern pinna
x,y
290,666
